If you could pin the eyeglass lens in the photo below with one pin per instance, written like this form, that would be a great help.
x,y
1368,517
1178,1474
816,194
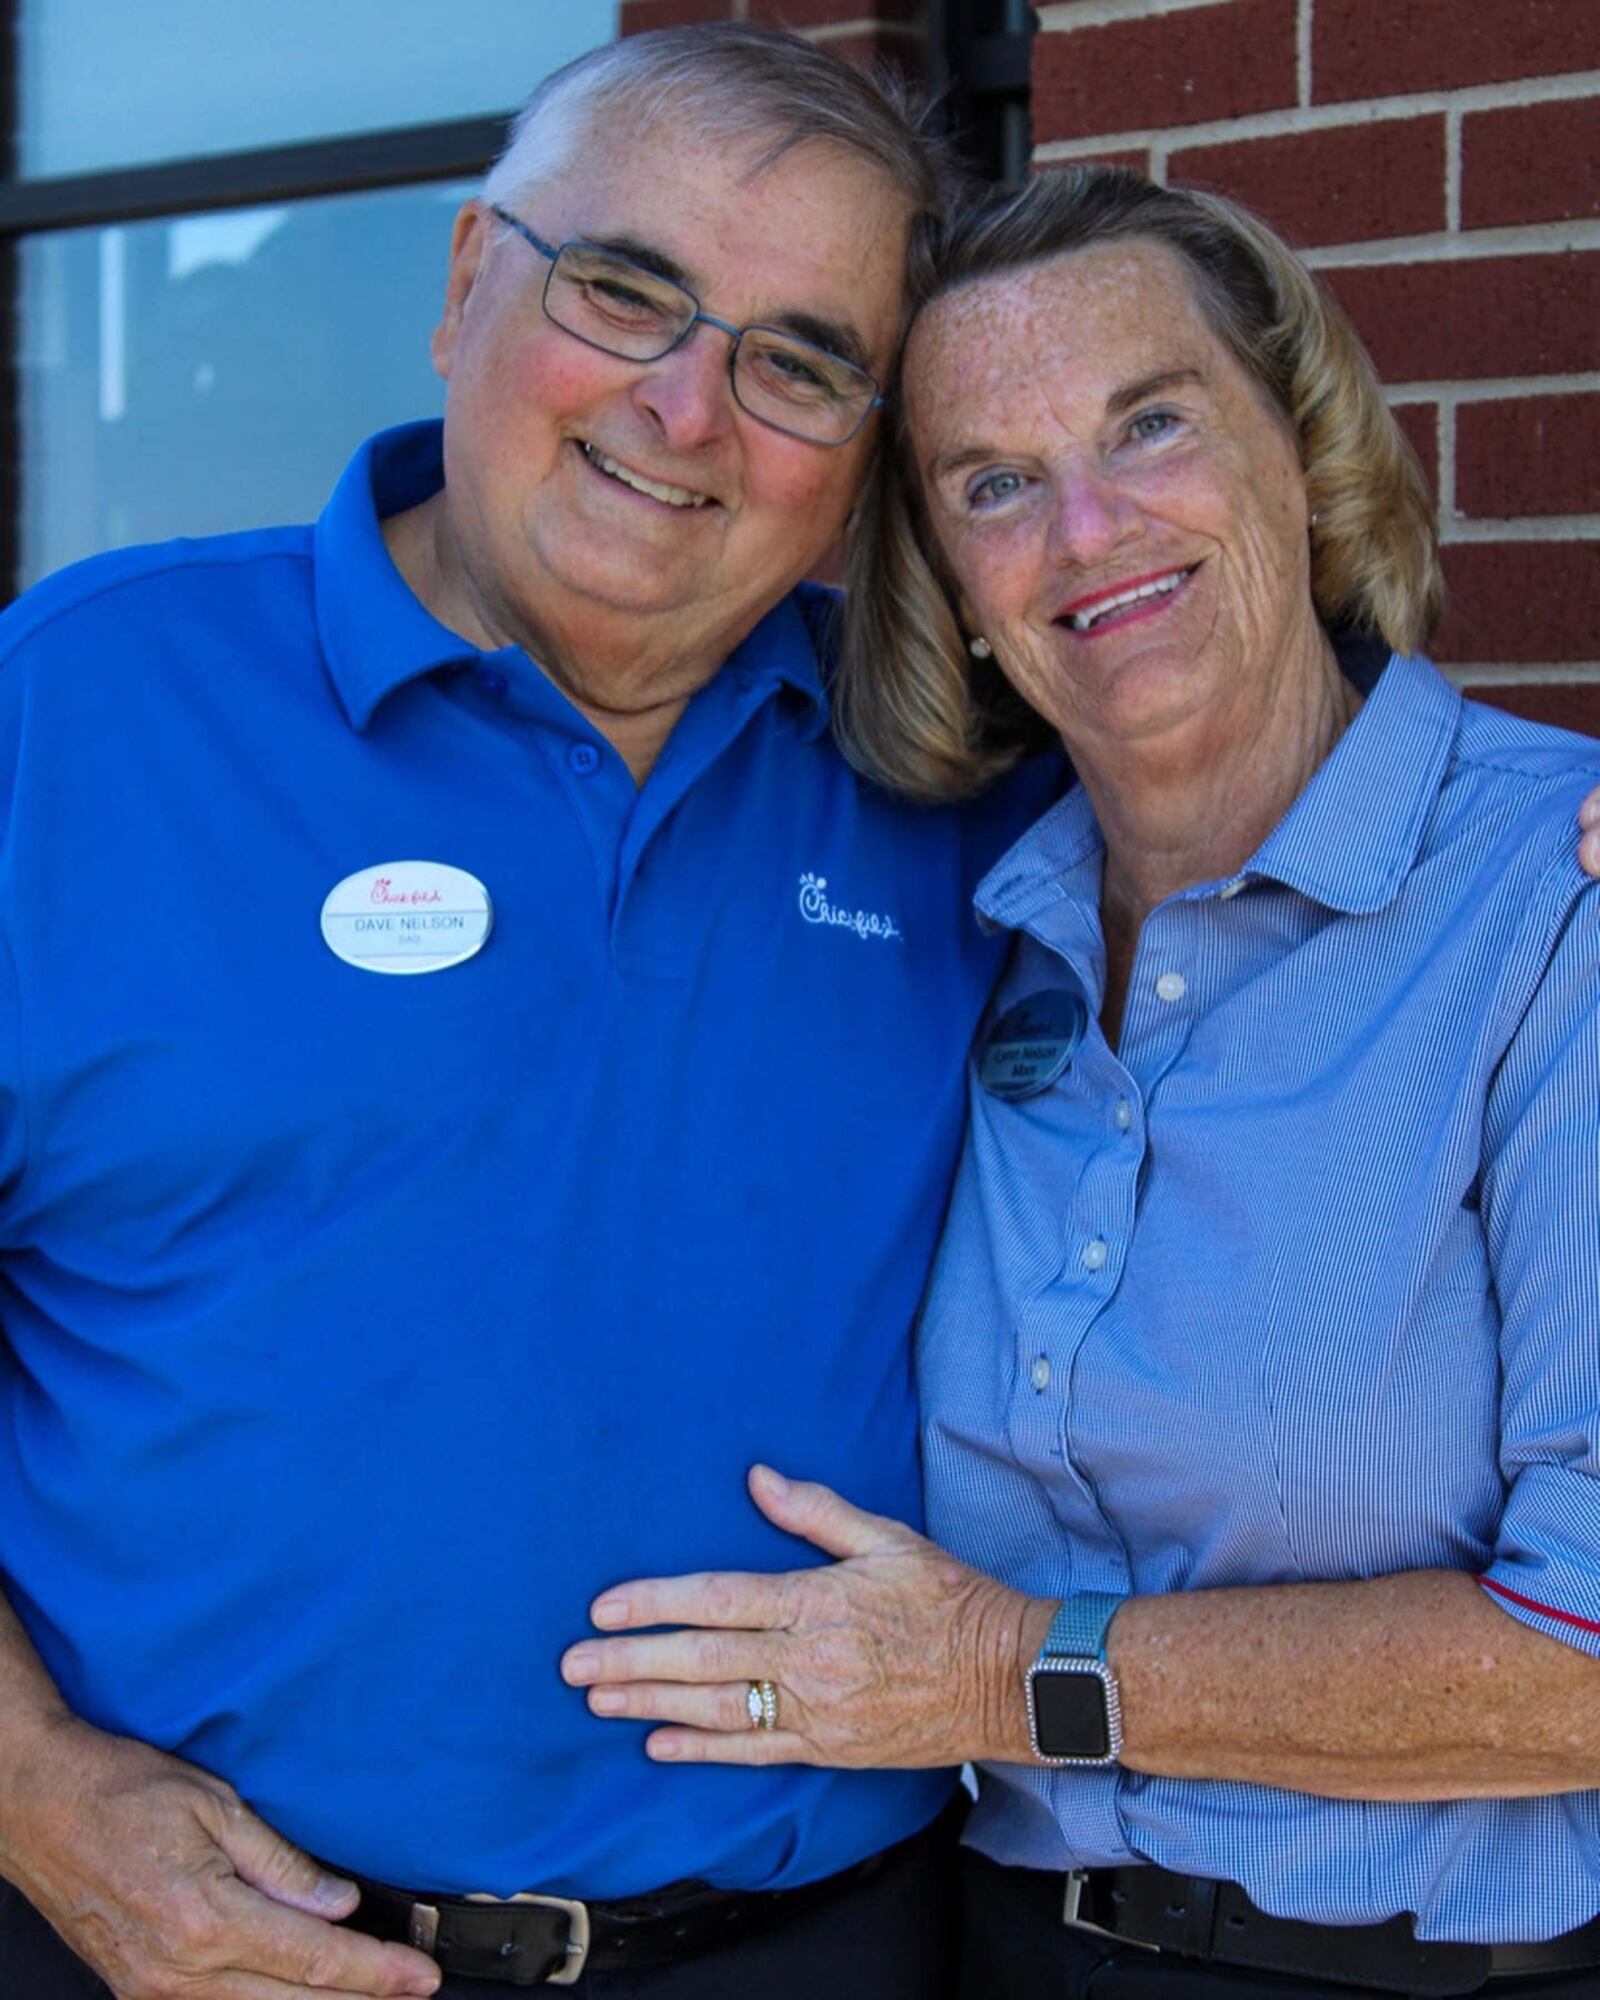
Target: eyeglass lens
x,y
618,306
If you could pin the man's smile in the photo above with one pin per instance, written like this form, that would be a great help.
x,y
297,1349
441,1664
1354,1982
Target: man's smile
x,y
638,482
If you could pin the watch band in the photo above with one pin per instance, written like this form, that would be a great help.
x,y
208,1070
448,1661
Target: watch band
x,y
1079,1628
1074,1709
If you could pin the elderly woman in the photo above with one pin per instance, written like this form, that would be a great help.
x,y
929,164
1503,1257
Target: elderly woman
x,y
1261,1364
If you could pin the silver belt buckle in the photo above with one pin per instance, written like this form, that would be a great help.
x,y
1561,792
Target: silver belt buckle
x,y
424,1929
1072,1904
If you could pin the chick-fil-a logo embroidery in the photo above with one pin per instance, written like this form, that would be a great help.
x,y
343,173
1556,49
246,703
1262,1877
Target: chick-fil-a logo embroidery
x,y
816,909
384,891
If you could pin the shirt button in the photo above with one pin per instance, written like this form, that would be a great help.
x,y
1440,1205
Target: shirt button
x,y
1039,1374
1124,1114
493,681
1171,986
584,759
1230,889
1095,1254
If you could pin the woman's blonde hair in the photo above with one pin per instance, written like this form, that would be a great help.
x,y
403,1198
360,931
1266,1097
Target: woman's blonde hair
x,y
912,709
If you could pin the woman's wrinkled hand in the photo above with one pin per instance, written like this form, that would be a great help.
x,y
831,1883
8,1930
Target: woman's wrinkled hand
x,y
896,1654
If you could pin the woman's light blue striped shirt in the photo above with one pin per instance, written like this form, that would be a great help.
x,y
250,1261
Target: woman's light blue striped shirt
x,y
1302,1281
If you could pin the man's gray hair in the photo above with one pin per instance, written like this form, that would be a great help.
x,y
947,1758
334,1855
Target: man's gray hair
x,y
736,83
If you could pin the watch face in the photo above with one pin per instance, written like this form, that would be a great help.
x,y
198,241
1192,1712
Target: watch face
x,y
1070,1714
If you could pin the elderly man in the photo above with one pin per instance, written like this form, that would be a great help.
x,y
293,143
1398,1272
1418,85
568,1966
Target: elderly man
x,y
478,1070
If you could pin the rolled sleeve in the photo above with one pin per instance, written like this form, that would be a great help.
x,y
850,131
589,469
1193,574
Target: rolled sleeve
x,y
1541,1213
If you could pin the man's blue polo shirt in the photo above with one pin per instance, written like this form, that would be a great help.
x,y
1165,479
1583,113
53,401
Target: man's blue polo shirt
x,y
358,1329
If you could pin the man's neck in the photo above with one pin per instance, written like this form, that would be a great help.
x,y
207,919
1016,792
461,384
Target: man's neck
x,y
632,693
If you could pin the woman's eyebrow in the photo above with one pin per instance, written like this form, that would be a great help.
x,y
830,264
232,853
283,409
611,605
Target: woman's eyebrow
x,y
959,459
1123,399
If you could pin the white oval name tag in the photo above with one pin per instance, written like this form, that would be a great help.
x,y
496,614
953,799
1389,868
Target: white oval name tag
x,y
407,916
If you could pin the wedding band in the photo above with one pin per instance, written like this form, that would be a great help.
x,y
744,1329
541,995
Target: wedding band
x,y
762,1702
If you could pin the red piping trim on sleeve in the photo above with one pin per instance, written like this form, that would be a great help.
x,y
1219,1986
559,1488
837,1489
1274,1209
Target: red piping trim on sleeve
x,y
1544,1610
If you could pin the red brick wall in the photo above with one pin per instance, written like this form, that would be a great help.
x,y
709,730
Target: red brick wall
x,y
859,30
1439,163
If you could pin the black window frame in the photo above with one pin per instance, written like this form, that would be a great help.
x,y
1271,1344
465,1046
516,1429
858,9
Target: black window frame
x,y
980,58
256,177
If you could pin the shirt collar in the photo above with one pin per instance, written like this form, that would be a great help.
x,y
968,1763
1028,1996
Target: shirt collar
x,y
1351,837
794,646
376,634
1348,840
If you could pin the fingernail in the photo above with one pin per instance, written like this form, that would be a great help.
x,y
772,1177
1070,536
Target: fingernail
x,y
662,1748
581,1665
611,1611
1589,813
333,1894
1589,852
774,1482
606,1701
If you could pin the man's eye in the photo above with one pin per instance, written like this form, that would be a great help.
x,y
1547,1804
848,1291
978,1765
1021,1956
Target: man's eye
x,y
615,296
796,369
797,375
992,488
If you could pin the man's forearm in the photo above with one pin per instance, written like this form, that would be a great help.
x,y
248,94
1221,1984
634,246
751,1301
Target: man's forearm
x,y
1413,1686
30,1707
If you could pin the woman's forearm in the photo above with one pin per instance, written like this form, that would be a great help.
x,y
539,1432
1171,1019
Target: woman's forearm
x,y
1414,1686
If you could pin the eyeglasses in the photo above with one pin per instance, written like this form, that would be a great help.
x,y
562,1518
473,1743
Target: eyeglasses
x,y
609,302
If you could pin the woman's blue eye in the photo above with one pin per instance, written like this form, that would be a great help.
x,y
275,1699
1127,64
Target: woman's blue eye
x,y
1151,424
993,486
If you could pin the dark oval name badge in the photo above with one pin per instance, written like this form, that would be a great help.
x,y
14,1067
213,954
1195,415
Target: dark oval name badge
x,y
1031,1044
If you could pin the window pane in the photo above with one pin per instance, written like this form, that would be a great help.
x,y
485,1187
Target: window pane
x,y
215,371
112,83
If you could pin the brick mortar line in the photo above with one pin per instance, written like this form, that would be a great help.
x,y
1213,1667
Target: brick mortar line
x,y
1495,673
1302,53
1465,530
868,24
1106,13
1448,512
1453,120
1289,121
1532,239
1501,388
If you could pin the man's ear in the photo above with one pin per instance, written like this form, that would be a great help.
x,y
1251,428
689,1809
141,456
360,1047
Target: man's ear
x,y
468,241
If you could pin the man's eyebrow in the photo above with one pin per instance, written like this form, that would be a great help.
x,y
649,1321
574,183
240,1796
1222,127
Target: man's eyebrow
x,y
835,335
1123,399
646,256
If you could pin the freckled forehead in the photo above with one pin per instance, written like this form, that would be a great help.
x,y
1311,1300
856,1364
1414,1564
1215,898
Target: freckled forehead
x,y
1084,322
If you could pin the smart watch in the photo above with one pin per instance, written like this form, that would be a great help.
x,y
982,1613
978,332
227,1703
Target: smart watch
x,y
1074,1713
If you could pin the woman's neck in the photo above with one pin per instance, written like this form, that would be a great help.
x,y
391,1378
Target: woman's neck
x,y
1194,806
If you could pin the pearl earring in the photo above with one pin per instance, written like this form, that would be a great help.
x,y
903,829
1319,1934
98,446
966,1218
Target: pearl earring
x,y
980,649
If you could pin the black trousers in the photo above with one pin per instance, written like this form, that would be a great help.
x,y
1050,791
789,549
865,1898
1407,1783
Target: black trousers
x,y
889,1938
1010,1951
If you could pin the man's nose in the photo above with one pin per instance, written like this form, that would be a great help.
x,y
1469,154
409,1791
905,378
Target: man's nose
x,y
689,392
1093,514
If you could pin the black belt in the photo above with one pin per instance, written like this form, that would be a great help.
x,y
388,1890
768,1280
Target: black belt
x,y
537,1940
1217,1921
